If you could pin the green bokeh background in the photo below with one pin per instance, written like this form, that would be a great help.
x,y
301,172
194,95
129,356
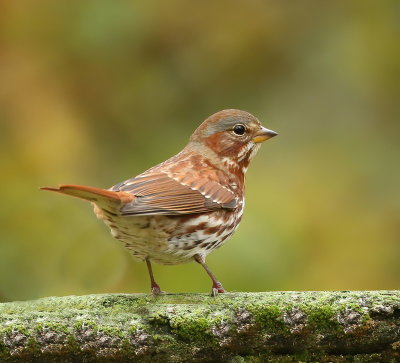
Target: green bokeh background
x,y
95,92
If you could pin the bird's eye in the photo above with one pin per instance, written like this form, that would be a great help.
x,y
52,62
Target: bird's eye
x,y
239,129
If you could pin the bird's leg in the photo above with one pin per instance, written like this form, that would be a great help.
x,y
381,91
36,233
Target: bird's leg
x,y
155,288
217,287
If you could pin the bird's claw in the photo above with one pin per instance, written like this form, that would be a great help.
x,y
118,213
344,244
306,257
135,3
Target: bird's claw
x,y
214,292
156,291
217,289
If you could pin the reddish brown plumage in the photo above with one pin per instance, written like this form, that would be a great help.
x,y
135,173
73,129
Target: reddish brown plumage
x,y
91,194
188,205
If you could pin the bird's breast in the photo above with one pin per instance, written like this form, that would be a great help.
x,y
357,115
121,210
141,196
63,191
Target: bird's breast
x,y
172,239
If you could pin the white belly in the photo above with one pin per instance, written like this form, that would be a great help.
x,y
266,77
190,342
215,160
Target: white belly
x,y
170,240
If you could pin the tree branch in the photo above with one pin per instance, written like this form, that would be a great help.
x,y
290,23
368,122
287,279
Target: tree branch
x,y
237,327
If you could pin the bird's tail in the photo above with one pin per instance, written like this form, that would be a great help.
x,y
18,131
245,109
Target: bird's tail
x,y
102,197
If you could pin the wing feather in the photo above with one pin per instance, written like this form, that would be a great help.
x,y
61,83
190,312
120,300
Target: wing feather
x,y
160,193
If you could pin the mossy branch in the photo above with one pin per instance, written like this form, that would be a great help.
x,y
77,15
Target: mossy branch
x,y
237,327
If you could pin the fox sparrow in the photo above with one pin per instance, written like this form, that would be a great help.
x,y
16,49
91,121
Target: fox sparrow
x,y
184,208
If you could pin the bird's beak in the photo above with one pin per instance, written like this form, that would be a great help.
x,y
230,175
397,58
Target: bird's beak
x,y
264,134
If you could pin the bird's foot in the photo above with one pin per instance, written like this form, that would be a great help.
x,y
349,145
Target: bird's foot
x,y
217,288
156,290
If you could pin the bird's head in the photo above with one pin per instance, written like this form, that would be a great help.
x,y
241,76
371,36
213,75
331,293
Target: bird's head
x,y
233,135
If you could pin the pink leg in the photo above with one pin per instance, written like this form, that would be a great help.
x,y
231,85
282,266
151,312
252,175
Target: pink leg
x,y
155,288
217,287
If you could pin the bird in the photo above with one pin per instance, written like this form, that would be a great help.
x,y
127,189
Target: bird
x,y
187,206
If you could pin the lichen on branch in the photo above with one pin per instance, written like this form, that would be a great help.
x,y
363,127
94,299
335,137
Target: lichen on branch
x,y
256,327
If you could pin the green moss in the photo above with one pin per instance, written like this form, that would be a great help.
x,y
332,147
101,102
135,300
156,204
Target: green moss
x,y
72,343
112,331
32,345
322,318
133,328
15,328
262,325
192,327
85,324
268,316
51,325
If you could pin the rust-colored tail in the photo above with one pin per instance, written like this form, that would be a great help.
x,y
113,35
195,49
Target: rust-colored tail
x,y
92,194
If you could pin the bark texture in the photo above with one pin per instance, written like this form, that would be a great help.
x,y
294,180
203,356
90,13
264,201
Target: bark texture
x,y
234,327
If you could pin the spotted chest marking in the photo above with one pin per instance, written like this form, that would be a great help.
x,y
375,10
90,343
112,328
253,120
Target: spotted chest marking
x,y
206,232
172,239
240,162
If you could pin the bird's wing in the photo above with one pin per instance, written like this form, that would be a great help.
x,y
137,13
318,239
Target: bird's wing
x,y
160,193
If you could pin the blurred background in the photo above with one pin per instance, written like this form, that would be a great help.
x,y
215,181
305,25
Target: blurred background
x,y
95,92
